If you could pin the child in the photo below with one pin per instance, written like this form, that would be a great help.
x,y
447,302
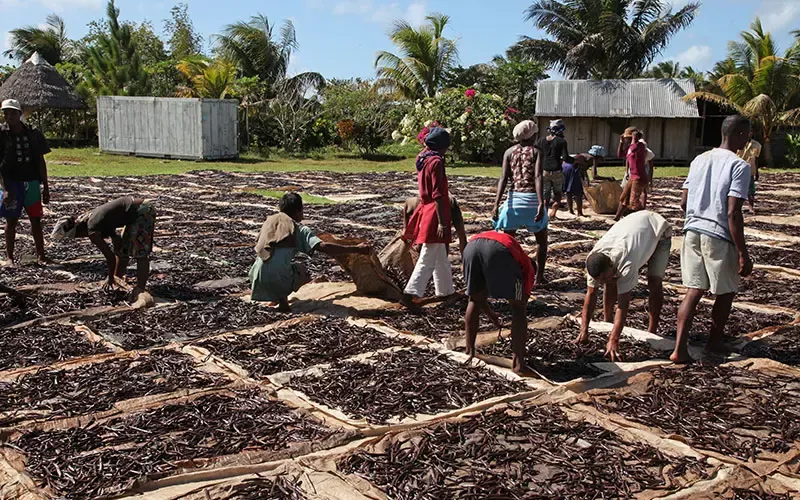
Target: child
x,y
274,275
574,177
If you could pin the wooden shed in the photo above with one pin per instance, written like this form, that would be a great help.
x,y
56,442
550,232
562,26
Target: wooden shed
x,y
598,111
194,129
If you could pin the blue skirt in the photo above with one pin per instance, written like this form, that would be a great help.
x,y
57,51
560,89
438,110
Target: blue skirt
x,y
518,211
573,184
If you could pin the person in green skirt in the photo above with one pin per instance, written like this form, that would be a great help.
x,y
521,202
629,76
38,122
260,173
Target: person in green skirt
x,y
275,274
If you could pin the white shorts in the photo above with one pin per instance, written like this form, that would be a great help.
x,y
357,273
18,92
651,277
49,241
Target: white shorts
x,y
709,263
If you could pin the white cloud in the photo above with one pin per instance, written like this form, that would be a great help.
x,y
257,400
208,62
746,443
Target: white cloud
x,y
698,57
385,14
7,41
780,14
415,14
353,7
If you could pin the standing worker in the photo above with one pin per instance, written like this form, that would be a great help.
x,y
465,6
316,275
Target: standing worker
x,y
714,254
429,225
496,266
411,204
137,217
524,207
750,154
24,170
554,151
643,238
632,193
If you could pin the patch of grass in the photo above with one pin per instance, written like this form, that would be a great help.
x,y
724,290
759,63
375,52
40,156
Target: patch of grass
x,y
308,199
87,162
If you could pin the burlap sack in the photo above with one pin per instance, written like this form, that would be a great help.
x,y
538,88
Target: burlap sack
x,y
366,271
604,197
399,254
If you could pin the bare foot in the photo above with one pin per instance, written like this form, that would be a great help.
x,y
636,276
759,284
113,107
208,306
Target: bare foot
x,y
43,261
717,348
681,358
523,370
408,301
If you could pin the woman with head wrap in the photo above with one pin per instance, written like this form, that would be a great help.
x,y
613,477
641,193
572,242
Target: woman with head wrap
x,y
524,206
554,151
430,223
576,176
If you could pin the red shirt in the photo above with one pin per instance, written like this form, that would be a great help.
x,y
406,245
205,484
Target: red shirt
x,y
517,252
424,222
637,159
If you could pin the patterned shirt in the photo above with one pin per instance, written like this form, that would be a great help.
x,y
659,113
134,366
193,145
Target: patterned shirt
x,y
21,153
522,160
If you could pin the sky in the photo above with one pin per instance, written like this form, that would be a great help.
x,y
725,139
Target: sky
x,y
339,38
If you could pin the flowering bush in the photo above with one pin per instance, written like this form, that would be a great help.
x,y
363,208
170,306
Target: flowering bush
x,y
480,124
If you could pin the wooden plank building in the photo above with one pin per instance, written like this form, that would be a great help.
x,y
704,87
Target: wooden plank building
x,y
161,127
598,111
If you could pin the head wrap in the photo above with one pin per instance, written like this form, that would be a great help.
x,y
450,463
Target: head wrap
x,y
60,231
597,151
557,127
437,139
525,130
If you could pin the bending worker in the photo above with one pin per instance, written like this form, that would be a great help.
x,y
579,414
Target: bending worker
x,y
642,238
496,266
136,216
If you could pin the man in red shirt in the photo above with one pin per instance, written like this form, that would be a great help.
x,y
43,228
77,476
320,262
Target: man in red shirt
x,y
496,266
430,223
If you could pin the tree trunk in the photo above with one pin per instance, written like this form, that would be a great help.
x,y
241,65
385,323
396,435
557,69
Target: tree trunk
x,y
768,159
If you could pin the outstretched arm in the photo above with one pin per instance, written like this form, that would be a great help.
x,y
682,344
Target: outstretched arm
x,y
612,348
589,304
335,249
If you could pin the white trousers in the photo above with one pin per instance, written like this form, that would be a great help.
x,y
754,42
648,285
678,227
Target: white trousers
x,y
432,262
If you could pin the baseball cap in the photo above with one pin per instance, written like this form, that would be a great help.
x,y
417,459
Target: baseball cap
x,y
11,104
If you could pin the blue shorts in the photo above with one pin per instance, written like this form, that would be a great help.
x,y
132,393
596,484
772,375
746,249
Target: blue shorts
x,y
519,211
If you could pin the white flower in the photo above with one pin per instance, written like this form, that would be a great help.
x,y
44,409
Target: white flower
x,y
463,138
418,106
396,135
428,123
404,141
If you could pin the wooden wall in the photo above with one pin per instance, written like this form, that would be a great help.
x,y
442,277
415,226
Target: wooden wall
x,y
198,129
669,138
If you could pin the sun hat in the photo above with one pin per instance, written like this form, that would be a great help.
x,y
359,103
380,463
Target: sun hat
x,y
11,104
597,151
525,130
437,138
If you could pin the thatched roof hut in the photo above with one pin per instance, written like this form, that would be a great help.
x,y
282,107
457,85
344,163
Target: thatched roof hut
x,y
37,85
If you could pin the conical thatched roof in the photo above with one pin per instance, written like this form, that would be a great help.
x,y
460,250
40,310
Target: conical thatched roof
x,y
37,85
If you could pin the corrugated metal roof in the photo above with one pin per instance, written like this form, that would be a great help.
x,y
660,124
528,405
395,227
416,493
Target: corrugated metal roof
x,y
645,98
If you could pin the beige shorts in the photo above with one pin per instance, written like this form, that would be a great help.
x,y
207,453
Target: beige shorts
x,y
657,265
709,263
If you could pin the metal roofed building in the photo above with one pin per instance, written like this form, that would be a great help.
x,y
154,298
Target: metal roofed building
x,y
598,111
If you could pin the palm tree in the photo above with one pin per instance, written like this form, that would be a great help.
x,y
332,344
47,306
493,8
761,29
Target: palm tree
x,y
665,69
113,60
754,81
253,49
50,42
425,57
602,38
210,79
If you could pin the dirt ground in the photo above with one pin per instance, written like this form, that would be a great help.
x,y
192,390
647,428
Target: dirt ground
x,y
208,395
